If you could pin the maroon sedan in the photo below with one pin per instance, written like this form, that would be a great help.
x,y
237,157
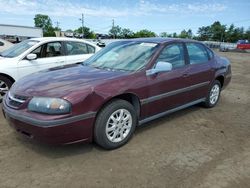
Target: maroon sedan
x,y
124,85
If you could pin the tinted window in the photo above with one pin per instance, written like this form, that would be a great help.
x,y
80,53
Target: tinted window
x,y
210,53
76,48
197,53
173,54
1,44
53,49
38,52
123,56
19,48
91,49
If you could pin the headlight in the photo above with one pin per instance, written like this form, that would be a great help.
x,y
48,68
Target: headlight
x,y
49,105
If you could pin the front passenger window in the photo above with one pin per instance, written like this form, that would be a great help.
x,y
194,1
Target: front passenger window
x,y
173,54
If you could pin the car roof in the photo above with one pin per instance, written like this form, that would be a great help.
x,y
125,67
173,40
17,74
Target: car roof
x,y
51,39
161,40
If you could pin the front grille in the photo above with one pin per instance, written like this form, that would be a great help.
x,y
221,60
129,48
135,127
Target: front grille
x,y
16,100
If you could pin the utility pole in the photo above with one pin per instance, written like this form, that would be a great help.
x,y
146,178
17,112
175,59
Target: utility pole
x,y
82,19
57,24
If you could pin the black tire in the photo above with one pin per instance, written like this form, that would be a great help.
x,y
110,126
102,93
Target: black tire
x,y
208,103
100,135
4,83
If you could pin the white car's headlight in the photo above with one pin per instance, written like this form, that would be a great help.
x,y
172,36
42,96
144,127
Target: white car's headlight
x,y
49,105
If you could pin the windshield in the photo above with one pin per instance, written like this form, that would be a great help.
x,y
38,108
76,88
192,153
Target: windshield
x,y
123,56
19,48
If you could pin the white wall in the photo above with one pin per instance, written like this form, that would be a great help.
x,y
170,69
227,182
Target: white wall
x,y
20,31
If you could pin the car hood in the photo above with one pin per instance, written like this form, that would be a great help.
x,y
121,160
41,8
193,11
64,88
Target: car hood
x,y
60,81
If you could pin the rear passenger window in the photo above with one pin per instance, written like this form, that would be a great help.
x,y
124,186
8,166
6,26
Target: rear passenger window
x,y
77,48
173,54
197,53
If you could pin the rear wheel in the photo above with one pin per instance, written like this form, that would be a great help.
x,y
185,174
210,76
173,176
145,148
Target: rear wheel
x,y
213,94
115,124
5,85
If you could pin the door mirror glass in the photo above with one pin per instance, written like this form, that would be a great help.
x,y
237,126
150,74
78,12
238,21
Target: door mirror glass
x,y
160,66
31,56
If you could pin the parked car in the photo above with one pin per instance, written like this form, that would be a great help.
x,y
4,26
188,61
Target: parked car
x,y
37,54
4,44
124,85
243,45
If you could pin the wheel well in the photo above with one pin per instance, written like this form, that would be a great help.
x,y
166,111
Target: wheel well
x,y
133,99
7,76
221,80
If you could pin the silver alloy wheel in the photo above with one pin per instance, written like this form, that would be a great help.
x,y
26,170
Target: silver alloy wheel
x,y
3,89
119,125
214,94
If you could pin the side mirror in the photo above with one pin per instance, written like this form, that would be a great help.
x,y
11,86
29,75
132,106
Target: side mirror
x,y
31,56
160,66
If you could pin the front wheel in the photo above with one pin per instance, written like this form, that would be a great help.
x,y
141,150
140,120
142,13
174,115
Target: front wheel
x,y
5,85
115,124
213,94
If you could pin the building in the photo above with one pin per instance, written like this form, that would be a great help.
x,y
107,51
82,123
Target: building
x,y
16,33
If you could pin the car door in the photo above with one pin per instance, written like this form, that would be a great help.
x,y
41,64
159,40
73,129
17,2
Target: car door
x,y
167,90
78,51
48,55
200,73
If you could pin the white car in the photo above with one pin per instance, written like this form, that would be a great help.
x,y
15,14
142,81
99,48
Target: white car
x,y
38,54
4,45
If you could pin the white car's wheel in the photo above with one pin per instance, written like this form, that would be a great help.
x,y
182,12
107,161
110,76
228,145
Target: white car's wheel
x,y
5,85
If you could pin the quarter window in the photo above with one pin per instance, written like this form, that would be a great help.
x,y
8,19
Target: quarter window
x,y
197,53
173,54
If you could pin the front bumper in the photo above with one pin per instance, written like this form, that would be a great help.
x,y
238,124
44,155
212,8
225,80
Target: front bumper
x,y
61,131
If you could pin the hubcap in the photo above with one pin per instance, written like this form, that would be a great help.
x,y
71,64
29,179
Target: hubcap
x,y
3,89
119,125
214,94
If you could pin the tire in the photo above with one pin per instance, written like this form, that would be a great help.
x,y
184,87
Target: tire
x,y
213,94
5,85
111,131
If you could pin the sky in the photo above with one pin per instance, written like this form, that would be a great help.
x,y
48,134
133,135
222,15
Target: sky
x,y
156,15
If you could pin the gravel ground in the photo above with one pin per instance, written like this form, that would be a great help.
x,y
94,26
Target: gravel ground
x,y
196,147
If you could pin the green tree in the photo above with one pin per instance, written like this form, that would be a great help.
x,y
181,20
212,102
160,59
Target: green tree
x,y
144,33
204,33
115,31
247,34
183,34
163,34
175,35
88,34
44,22
218,31
126,33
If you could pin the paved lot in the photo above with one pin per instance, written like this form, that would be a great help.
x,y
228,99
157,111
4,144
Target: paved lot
x,y
196,147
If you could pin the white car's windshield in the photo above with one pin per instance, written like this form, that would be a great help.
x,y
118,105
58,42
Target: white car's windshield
x,y
123,55
18,49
